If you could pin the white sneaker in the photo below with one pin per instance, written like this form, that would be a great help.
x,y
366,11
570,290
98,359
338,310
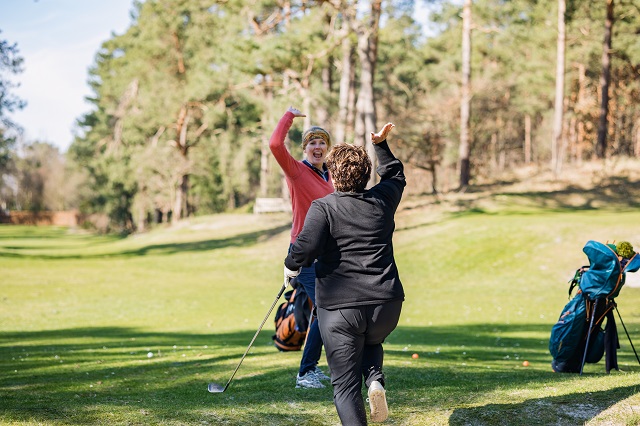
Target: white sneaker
x,y
378,402
308,381
320,374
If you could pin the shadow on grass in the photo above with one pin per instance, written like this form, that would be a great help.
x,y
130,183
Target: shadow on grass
x,y
98,375
617,192
571,409
241,240
464,364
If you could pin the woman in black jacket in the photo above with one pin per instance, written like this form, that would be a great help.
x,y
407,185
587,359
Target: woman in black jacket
x,y
358,291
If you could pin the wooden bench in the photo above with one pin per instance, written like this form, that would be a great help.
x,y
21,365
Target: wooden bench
x,y
271,205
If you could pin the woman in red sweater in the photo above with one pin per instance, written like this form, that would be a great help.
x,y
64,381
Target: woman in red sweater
x,y
307,180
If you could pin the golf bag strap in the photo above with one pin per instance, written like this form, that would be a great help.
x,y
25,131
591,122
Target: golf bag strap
x,y
575,281
589,304
621,274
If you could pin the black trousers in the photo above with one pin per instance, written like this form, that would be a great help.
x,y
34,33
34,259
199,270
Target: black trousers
x,y
353,344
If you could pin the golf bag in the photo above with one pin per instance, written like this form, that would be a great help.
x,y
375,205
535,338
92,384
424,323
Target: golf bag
x,y
578,336
292,319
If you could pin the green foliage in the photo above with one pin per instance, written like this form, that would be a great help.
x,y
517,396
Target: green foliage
x,y
625,249
6,150
10,63
38,174
191,82
163,90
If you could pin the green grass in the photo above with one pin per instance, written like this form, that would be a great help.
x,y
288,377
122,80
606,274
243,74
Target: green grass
x,y
79,314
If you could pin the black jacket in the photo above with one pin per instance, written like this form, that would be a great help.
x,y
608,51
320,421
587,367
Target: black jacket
x,y
350,236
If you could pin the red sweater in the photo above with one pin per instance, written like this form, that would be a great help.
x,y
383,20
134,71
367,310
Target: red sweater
x,y
304,184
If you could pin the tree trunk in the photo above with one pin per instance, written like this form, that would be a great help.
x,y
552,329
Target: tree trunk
x,y
306,106
527,139
365,106
581,113
322,113
494,152
559,101
181,199
264,148
636,149
433,169
345,87
141,224
351,106
433,159
581,138
617,125
264,166
562,149
465,101
573,139
181,127
605,77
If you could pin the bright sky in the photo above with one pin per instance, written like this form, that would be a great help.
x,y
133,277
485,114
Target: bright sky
x,y
58,40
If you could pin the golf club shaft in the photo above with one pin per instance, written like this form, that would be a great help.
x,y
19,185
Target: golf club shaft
x,y
586,347
282,289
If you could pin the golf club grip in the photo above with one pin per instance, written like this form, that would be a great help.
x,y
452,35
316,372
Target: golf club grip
x,y
284,286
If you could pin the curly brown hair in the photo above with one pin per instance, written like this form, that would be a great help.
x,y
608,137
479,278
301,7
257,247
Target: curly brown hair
x,y
350,168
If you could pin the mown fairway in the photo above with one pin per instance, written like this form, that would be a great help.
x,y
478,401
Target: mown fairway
x,y
79,315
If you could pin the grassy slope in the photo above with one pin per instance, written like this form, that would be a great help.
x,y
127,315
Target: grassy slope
x,y
485,277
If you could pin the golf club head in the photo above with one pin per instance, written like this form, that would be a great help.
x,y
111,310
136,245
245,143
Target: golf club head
x,y
216,388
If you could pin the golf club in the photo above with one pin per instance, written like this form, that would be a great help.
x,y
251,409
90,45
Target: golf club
x,y
217,388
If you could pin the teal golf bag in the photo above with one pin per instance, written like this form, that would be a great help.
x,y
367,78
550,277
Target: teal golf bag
x,y
579,336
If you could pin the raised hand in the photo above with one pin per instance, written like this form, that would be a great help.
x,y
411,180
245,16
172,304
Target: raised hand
x,y
376,138
296,112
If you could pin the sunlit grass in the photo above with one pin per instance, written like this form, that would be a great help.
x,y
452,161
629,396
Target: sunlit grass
x,y
106,330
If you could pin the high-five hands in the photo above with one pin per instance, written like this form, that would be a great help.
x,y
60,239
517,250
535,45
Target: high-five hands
x,y
381,136
296,112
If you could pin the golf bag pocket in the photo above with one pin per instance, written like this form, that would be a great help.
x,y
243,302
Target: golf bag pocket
x,y
567,333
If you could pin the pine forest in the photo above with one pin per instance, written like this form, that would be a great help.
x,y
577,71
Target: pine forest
x,y
185,100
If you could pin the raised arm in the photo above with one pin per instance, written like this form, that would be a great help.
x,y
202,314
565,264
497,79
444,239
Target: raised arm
x,y
296,112
276,142
390,169
381,136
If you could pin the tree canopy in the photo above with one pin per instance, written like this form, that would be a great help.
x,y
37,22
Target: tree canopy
x,y
10,64
185,100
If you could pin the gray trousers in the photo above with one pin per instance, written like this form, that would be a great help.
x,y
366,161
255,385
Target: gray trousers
x,y
353,344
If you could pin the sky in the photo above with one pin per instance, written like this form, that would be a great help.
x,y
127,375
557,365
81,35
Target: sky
x,y
58,40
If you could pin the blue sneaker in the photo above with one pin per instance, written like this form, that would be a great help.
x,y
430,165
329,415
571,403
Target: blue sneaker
x,y
308,381
320,374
